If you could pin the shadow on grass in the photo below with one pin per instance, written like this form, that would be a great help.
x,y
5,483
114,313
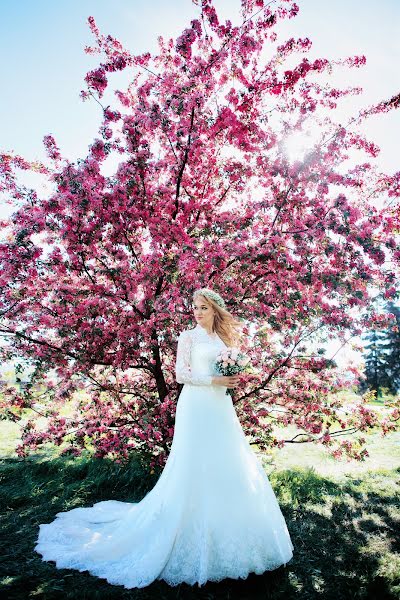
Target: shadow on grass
x,y
344,534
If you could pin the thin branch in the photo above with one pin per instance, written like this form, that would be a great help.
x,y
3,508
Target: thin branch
x,y
311,437
4,312
182,168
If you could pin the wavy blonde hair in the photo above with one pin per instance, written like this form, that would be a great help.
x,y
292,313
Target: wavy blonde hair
x,y
229,329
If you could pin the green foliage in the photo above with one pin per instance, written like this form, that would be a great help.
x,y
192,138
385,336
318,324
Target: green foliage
x,y
297,487
382,357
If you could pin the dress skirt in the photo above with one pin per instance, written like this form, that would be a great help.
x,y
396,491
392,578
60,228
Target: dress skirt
x,y
211,515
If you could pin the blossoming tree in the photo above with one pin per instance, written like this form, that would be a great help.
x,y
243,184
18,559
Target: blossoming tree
x,y
97,277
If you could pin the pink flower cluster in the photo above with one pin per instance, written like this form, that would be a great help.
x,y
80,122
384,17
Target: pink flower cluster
x,y
96,276
231,361
232,357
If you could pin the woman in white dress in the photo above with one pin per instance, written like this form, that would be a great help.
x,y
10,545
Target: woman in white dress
x,y
212,513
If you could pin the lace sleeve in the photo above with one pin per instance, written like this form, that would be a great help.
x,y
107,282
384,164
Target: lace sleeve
x,y
183,371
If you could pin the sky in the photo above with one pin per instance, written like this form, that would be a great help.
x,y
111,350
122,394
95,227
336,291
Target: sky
x,y
44,64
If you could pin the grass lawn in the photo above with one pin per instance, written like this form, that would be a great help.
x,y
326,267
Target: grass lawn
x,y
343,519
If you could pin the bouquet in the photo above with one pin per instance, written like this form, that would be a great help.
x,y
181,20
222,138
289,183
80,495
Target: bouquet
x,y
230,361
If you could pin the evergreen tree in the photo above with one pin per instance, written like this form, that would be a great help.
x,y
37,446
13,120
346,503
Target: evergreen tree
x,y
392,345
382,357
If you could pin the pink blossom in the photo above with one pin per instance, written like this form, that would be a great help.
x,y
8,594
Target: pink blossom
x,y
96,275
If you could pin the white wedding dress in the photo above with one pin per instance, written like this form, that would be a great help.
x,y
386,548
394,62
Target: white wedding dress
x,y
212,513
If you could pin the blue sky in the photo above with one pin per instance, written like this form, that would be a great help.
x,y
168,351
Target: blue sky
x,y
44,63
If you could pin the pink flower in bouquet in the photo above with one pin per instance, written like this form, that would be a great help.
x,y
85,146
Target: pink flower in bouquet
x,y
231,361
244,361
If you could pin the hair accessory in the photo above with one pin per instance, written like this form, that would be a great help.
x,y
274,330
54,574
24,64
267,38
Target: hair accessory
x,y
212,295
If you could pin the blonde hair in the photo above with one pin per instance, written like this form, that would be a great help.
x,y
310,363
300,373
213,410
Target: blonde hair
x,y
225,324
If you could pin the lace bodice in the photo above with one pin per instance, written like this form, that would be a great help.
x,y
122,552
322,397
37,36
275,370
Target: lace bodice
x,y
196,354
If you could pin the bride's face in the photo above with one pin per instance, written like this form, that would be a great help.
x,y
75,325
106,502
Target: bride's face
x,y
203,312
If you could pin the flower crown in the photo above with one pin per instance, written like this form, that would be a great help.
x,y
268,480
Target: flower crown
x,y
212,295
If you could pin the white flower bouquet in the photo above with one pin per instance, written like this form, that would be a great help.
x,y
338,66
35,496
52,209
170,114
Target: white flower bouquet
x,y
230,361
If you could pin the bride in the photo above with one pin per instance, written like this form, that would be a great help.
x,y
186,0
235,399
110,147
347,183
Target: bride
x,y
212,513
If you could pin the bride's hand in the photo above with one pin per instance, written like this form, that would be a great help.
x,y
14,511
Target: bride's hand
x,y
230,381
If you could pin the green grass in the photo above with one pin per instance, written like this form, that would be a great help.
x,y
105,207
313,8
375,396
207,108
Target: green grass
x,y
343,518
384,453
344,533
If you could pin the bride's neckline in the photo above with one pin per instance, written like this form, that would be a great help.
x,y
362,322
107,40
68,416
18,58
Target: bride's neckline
x,y
213,335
